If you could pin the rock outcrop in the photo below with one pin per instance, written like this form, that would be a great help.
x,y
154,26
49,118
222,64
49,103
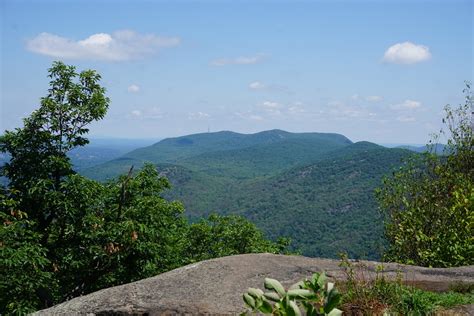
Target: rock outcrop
x,y
215,287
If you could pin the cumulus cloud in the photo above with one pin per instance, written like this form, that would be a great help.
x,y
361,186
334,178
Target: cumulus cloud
x,y
406,53
197,115
136,113
249,115
370,98
296,108
272,108
257,85
118,46
270,105
343,111
405,119
242,60
373,98
151,113
133,88
406,105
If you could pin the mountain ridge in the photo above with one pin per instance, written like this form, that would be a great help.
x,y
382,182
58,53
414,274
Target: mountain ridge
x,y
316,188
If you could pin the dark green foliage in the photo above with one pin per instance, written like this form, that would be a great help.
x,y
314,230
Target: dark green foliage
x,y
63,235
220,236
429,202
23,262
326,207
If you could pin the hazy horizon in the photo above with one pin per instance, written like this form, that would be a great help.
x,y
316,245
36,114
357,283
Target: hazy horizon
x,y
379,71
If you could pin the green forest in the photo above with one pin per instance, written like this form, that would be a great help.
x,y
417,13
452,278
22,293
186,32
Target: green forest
x,y
187,199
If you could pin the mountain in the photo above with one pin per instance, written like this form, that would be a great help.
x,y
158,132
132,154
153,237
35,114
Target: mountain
x,y
437,148
227,153
325,207
98,151
316,188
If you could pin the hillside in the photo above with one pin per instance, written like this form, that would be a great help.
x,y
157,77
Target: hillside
x,y
315,188
211,152
326,207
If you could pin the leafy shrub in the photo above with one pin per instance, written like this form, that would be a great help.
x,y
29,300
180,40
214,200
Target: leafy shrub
x,y
428,203
364,296
63,235
313,296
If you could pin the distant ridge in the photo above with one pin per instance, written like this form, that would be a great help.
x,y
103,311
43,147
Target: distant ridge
x,y
173,150
316,188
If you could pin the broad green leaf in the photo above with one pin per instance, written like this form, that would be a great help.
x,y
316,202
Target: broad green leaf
x,y
294,309
272,284
249,300
272,296
307,294
335,312
332,301
254,292
266,307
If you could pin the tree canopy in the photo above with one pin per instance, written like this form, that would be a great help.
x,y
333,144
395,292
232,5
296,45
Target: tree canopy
x,y
63,235
429,202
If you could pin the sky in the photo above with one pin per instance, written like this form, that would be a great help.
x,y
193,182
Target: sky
x,y
380,71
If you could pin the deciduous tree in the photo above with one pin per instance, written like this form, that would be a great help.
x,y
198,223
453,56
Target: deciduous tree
x,y
429,202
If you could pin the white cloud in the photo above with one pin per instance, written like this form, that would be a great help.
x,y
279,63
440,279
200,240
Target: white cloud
x,y
370,98
249,115
406,53
272,108
296,108
118,46
133,88
271,105
136,113
406,105
406,119
256,85
242,60
374,98
344,111
197,115
256,117
152,113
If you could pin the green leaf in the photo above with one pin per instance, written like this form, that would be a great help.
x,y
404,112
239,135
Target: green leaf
x,y
272,284
266,307
322,280
255,292
297,285
272,296
335,312
294,309
249,300
306,294
332,301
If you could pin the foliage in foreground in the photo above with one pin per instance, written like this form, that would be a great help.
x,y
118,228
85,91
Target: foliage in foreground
x,y
313,297
364,296
429,203
63,235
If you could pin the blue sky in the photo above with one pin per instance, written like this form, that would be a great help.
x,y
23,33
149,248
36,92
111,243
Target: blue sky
x,y
372,70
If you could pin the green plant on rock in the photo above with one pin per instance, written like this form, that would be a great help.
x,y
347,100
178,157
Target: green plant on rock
x,y
311,297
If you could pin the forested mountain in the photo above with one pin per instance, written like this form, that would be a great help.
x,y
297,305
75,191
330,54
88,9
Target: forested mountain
x,y
438,148
227,153
315,188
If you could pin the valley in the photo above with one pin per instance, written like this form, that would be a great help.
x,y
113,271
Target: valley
x,y
316,188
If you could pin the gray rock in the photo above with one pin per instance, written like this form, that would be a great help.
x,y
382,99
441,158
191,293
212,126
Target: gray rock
x,y
215,287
